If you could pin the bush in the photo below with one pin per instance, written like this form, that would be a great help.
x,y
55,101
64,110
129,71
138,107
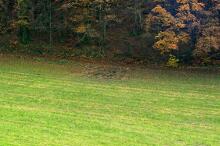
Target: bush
x,y
172,61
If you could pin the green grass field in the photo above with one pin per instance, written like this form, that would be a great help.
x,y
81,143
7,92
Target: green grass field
x,y
46,103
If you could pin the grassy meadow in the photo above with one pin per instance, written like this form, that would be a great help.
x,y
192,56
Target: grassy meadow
x,y
58,103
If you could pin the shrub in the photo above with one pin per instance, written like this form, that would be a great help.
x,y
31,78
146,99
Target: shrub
x,y
172,61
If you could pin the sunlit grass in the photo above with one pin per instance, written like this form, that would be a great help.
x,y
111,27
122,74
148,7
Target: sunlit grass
x,y
50,104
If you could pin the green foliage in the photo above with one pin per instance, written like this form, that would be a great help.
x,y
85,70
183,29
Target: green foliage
x,y
172,62
24,31
23,23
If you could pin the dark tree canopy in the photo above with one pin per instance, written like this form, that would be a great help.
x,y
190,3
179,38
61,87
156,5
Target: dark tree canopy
x,y
185,31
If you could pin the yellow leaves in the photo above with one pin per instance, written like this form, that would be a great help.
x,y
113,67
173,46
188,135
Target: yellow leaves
x,y
172,61
180,25
158,9
81,28
197,6
187,5
184,17
185,12
173,26
162,15
182,1
184,37
169,40
184,7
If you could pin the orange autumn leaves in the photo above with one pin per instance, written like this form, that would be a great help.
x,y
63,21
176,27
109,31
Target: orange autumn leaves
x,y
169,40
172,31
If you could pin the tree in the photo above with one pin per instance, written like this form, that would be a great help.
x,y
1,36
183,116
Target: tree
x,y
177,27
207,46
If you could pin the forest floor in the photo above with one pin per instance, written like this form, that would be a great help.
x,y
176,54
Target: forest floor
x,y
61,103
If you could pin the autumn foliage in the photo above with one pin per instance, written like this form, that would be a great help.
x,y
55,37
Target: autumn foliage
x,y
193,22
153,30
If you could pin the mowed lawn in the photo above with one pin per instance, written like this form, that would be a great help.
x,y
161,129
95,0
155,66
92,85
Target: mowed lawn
x,y
44,103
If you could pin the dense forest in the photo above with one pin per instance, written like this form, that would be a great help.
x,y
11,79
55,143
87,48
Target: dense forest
x,y
171,32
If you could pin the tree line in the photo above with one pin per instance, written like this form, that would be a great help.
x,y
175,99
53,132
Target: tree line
x,y
162,31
